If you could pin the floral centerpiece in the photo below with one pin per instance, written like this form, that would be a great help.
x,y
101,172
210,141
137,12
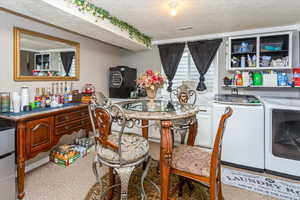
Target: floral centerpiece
x,y
151,81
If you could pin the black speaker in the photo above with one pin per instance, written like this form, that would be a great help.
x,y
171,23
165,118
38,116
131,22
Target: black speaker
x,y
122,81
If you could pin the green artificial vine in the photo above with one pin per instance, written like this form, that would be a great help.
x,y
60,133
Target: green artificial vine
x,y
100,13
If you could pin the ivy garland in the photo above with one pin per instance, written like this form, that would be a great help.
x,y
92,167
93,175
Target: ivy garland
x,y
100,13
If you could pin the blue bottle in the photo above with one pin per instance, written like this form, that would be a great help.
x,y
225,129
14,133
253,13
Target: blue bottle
x,y
282,79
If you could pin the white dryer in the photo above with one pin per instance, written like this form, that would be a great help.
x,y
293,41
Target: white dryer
x,y
282,136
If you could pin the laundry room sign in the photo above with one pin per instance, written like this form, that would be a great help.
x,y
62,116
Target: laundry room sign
x,y
261,184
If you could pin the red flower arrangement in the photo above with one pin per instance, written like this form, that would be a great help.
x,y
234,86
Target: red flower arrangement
x,y
151,80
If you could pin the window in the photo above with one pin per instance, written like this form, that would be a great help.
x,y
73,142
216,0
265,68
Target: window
x,y
187,71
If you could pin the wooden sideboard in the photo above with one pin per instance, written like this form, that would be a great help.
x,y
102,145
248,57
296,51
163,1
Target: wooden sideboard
x,y
39,131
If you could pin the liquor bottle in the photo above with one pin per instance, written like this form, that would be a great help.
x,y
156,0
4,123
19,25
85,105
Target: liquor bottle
x,y
57,97
52,95
37,98
61,94
66,95
47,97
43,99
70,93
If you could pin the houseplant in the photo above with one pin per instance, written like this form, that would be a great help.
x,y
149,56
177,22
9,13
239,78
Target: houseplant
x,y
151,81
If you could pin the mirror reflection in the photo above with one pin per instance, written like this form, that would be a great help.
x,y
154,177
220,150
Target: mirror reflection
x,y
43,57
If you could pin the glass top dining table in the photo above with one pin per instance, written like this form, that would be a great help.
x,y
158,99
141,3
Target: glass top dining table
x,y
157,110
168,114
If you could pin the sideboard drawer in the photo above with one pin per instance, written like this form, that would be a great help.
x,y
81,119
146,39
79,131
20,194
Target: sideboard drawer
x,y
72,126
71,116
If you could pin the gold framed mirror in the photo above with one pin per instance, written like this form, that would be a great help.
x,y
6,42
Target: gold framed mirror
x,y
41,57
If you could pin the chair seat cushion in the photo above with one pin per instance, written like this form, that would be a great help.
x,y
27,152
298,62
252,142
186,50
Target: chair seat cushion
x,y
133,147
191,159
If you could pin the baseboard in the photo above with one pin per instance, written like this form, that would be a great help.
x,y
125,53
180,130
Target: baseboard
x,y
293,177
36,164
154,139
242,167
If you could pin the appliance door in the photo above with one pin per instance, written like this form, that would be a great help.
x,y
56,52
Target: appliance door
x,y
283,141
116,79
7,141
122,82
243,139
205,133
130,78
7,176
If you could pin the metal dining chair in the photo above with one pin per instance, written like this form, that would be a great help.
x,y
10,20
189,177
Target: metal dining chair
x,y
182,95
121,152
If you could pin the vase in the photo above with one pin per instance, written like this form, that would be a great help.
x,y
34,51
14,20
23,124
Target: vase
x,y
151,93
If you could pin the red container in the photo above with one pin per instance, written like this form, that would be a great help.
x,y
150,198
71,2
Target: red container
x,y
296,73
239,79
88,89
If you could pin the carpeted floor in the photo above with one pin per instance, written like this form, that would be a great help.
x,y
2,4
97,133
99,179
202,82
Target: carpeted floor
x,y
52,182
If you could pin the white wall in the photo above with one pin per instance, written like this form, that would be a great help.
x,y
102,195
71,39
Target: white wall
x,y
150,59
142,60
95,57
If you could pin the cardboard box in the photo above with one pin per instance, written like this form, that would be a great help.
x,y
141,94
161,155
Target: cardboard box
x,y
64,155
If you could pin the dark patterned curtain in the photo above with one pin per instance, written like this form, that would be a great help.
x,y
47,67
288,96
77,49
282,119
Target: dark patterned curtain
x,y
203,53
67,59
170,55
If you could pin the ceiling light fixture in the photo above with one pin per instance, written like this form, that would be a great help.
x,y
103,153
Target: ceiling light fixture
x,y
173,4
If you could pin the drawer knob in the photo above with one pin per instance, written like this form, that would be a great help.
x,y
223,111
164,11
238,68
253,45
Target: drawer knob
x,y
66,117
82,122
67,127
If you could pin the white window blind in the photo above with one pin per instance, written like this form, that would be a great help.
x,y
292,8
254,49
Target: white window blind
x,y
73,68
187,71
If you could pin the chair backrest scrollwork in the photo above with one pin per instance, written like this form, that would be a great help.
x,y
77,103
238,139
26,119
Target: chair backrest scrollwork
x,y
183,94
102,118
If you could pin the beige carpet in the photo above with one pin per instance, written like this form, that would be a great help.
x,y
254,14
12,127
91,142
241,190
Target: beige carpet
x,y
134,193
52,182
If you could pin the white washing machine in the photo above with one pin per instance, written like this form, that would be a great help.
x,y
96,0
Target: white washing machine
x,y
243,139
282,136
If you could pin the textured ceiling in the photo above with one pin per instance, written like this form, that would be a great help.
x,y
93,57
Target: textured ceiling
x,y
153,18
62,14
206,16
